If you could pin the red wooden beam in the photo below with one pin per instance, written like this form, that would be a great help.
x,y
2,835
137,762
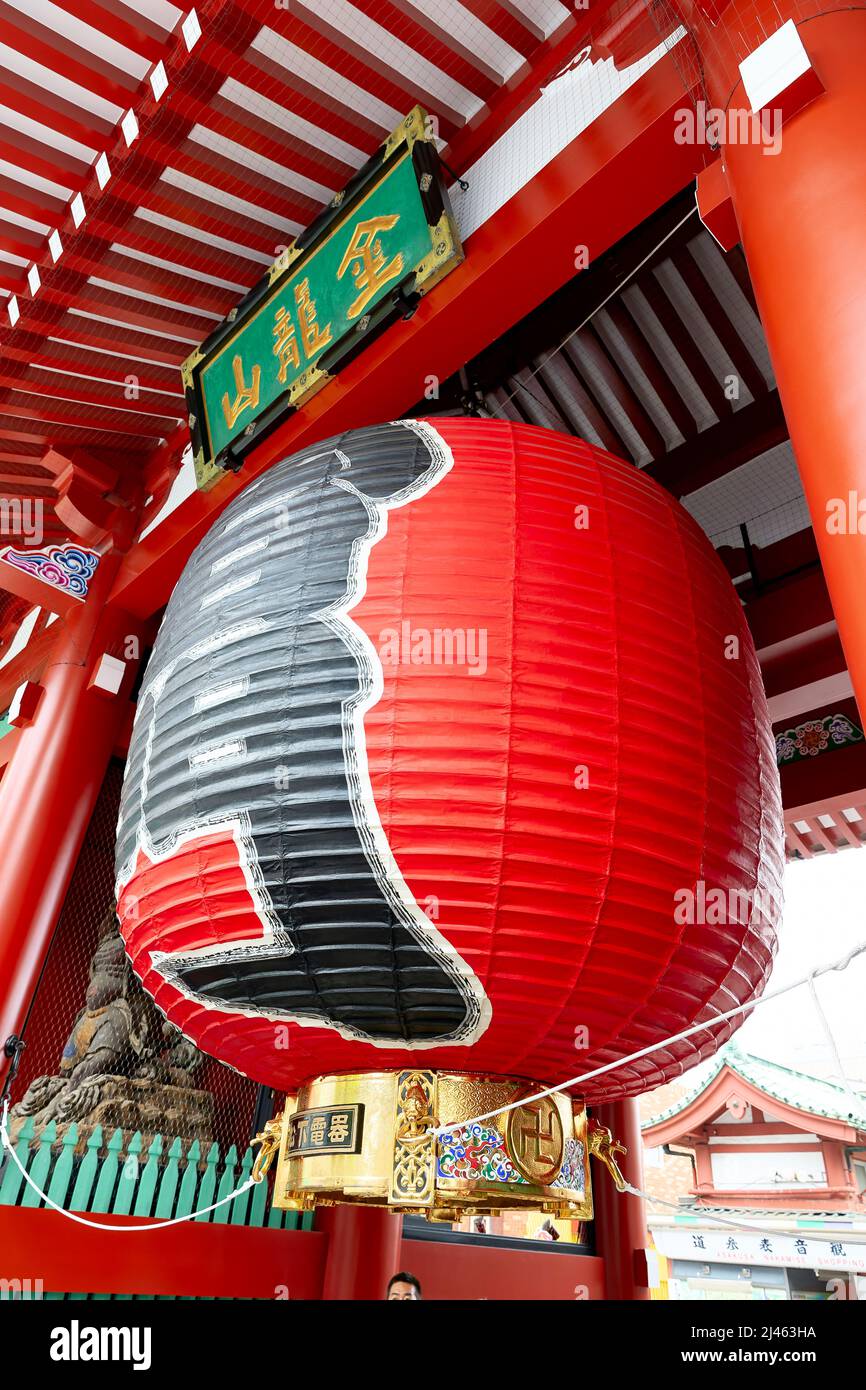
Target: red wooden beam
x,y
58,364
420,31
25,201
15,284
828,777
92,334
514,29
91,395
151,318
198,212
139,235
59,54
19,241
245,128
751,431
20,466
39,157
53,111
366,69
132,16
125,26
224,174
53,413
22,485
128,273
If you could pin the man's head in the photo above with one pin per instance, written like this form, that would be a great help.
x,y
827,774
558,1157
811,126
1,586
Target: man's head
x,y
403,1286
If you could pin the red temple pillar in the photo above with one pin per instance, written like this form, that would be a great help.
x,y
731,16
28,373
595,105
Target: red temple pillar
x,y
50,787
363,1251
802,218
620,1219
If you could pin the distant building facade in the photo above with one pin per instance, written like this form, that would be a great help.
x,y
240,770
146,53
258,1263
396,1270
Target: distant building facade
x,y
756,1178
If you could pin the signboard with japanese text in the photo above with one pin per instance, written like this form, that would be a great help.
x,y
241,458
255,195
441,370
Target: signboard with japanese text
x,y
826,1249
331,1129
380,244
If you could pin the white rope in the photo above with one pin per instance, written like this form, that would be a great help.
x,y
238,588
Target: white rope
x,y
107,1225
828,1033
841,964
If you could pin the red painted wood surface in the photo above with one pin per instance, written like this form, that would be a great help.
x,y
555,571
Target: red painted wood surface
x,y
472,1273
217,1261
195,1258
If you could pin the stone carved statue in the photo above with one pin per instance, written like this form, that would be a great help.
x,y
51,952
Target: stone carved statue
x,y
123,1064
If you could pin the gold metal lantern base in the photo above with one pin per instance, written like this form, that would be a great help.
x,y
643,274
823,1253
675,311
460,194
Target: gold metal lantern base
x,y
408,1140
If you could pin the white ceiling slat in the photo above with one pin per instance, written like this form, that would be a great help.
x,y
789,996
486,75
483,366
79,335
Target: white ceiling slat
x,y
133,355
131,328
34,181
50,81
450,96
332,84
17,219
260,164
107,380
211,194
64,22
475,41
287,123
114,288
46,135
172,266
185,229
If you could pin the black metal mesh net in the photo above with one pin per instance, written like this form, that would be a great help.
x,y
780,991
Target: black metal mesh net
x,y
98,1051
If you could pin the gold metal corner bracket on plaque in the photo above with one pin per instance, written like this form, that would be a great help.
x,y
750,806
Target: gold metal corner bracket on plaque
x,y
407,1140
416,125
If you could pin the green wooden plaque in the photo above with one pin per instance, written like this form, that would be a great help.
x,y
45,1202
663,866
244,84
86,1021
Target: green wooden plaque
x,y
381,243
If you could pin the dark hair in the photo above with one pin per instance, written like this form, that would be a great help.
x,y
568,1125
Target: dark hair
x,y
404,1278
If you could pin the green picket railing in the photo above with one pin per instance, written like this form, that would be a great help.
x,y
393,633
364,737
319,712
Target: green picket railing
x,y
162,1182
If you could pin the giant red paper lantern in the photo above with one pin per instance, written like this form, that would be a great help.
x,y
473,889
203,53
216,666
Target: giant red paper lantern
x,y
444,723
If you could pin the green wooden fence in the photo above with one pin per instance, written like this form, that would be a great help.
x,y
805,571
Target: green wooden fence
x,y
159,1182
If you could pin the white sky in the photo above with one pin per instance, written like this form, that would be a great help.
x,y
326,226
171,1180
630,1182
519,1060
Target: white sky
x,y
825,916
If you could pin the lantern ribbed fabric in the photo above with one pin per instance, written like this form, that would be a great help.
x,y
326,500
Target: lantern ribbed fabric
x,y
444,724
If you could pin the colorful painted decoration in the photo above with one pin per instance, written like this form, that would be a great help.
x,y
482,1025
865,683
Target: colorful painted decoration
x,y
816,736
475,1152
69,568
439,722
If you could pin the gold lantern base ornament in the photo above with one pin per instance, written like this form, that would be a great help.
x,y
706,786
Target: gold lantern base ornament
x,y
409,1140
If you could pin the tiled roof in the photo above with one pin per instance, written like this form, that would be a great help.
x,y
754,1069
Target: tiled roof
x,y
811,1094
